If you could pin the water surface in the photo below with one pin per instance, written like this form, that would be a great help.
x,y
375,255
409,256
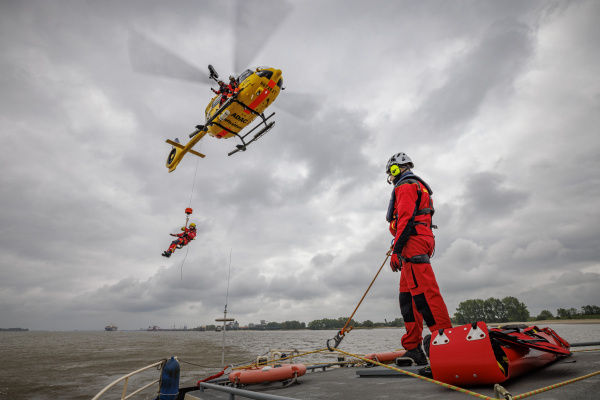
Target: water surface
x,y
77,365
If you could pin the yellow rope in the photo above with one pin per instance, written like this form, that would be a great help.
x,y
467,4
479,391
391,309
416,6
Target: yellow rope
x,y
343,331
280,359
446,385
547,388
580,351
481,396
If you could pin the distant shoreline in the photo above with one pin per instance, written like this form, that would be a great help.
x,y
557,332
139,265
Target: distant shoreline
x,y
529,323
551,321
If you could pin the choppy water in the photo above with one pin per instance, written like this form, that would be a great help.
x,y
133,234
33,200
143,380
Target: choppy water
x,y
77,365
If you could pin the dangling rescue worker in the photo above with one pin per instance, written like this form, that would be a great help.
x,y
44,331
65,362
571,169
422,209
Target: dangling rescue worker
x,y
183,239
409,214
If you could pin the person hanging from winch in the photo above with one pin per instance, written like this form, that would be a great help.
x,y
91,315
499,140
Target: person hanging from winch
x,y
183,238
409,215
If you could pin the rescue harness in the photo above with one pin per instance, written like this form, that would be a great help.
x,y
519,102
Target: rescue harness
x,y
418,259
392,217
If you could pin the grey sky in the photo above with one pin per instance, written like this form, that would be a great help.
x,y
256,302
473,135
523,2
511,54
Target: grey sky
x,y
497,103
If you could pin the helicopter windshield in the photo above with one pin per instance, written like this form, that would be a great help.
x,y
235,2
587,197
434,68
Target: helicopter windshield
x,y
265,74
245,75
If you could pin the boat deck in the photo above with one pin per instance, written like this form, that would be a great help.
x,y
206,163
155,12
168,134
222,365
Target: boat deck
x,y
383,383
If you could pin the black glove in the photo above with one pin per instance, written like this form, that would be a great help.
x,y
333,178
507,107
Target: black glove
x,y
396,263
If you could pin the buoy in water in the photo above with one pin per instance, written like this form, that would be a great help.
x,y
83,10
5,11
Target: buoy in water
x,y
274,373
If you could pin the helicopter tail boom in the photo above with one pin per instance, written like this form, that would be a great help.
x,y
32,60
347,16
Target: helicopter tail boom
x,y
180,146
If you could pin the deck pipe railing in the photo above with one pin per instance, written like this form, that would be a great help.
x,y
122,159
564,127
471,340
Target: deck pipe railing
x,y
125,378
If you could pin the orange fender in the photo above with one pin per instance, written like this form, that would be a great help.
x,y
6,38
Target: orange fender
x,y
385,357
267,374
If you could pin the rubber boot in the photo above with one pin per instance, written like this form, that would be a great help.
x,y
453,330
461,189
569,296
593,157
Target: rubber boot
x,y
427,344
414,356
166,254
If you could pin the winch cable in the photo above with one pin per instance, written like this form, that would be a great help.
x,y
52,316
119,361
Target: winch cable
x,y
340,335
187,216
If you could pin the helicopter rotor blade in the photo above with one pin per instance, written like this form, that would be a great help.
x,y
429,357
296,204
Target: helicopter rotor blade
x,y
148,57
256,21
299,104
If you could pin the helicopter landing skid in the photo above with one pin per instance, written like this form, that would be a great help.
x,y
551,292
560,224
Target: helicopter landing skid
x,y
259,134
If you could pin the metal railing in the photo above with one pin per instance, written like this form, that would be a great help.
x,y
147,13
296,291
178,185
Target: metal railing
x,y
125,378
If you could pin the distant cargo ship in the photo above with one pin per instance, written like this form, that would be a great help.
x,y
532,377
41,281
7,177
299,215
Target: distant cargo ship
x,y
111,327
154,328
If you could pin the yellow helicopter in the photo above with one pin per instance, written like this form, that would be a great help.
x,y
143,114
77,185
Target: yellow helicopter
x,y
229,113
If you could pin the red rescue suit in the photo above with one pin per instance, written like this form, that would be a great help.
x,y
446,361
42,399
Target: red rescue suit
x,y
232,87
183,238
409,214
224,91
223,88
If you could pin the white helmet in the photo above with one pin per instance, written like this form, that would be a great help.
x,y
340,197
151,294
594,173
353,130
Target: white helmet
x,y
399,159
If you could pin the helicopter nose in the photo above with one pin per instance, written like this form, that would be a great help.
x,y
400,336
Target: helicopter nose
x,y
276,75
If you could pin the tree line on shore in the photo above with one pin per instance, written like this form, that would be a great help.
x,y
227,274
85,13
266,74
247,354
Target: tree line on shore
x,y
508,309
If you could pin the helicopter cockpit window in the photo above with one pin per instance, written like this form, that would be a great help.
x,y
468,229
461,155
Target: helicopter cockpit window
x,y
280,82
265,74
244,75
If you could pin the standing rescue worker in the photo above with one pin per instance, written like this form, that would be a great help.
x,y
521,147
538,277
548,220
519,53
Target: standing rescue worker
x,y
233,85
409,214
183,239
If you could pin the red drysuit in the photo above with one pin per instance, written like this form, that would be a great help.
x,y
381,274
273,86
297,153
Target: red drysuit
x,y
410,223
183,238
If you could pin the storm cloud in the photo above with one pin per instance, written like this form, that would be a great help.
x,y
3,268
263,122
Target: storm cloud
x,y
495,102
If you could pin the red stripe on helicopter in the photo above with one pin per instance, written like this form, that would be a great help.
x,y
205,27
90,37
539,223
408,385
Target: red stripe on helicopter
x,y
263,95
